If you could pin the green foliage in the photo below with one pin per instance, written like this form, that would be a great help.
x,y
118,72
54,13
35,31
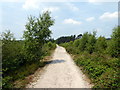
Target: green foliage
x,y
36,34
65,39
103,73
76,43
7,36
47,47
69,47
11,57
21,58
101,44
100,58
91,43
86,43
6,82
10,50
114,44
83,41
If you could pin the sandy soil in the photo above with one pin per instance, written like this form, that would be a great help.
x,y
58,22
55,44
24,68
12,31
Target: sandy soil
x,y
61,72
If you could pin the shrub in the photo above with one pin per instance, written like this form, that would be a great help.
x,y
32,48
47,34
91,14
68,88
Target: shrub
x,y
83,42
114,44
100,45
90,46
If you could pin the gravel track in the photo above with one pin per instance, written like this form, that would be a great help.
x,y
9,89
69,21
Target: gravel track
x,y
61,72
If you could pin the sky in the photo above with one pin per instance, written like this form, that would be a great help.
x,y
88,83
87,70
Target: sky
x,y
71,17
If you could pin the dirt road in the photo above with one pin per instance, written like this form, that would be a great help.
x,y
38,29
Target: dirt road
x,y
61,73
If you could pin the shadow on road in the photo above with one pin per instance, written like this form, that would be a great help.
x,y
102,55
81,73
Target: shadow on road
x,y
54,61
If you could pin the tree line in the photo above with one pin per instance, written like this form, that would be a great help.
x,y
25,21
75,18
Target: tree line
x,y
65,39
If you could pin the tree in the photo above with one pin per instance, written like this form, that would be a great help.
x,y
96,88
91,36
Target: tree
x,y
65,39
7,36
37,32
90,46
11,52
83,41
76,43
79,36
101,44
114,44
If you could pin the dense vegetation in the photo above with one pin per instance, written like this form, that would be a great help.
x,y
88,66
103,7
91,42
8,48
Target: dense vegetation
x,y
100,58
21,58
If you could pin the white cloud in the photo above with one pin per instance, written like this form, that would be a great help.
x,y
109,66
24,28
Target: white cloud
x,y
93,1
71,21
90,19
63,1
44,0
72,7
97,1
108,16
51,9
38,4
31,4
12,1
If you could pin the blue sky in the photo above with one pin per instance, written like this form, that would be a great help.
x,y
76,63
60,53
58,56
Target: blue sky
x,y
70,17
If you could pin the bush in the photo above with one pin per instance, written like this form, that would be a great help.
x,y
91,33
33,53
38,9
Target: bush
x,y
101,44
12,56
108,79
76,43
103,75
90,46
83,42
114,44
